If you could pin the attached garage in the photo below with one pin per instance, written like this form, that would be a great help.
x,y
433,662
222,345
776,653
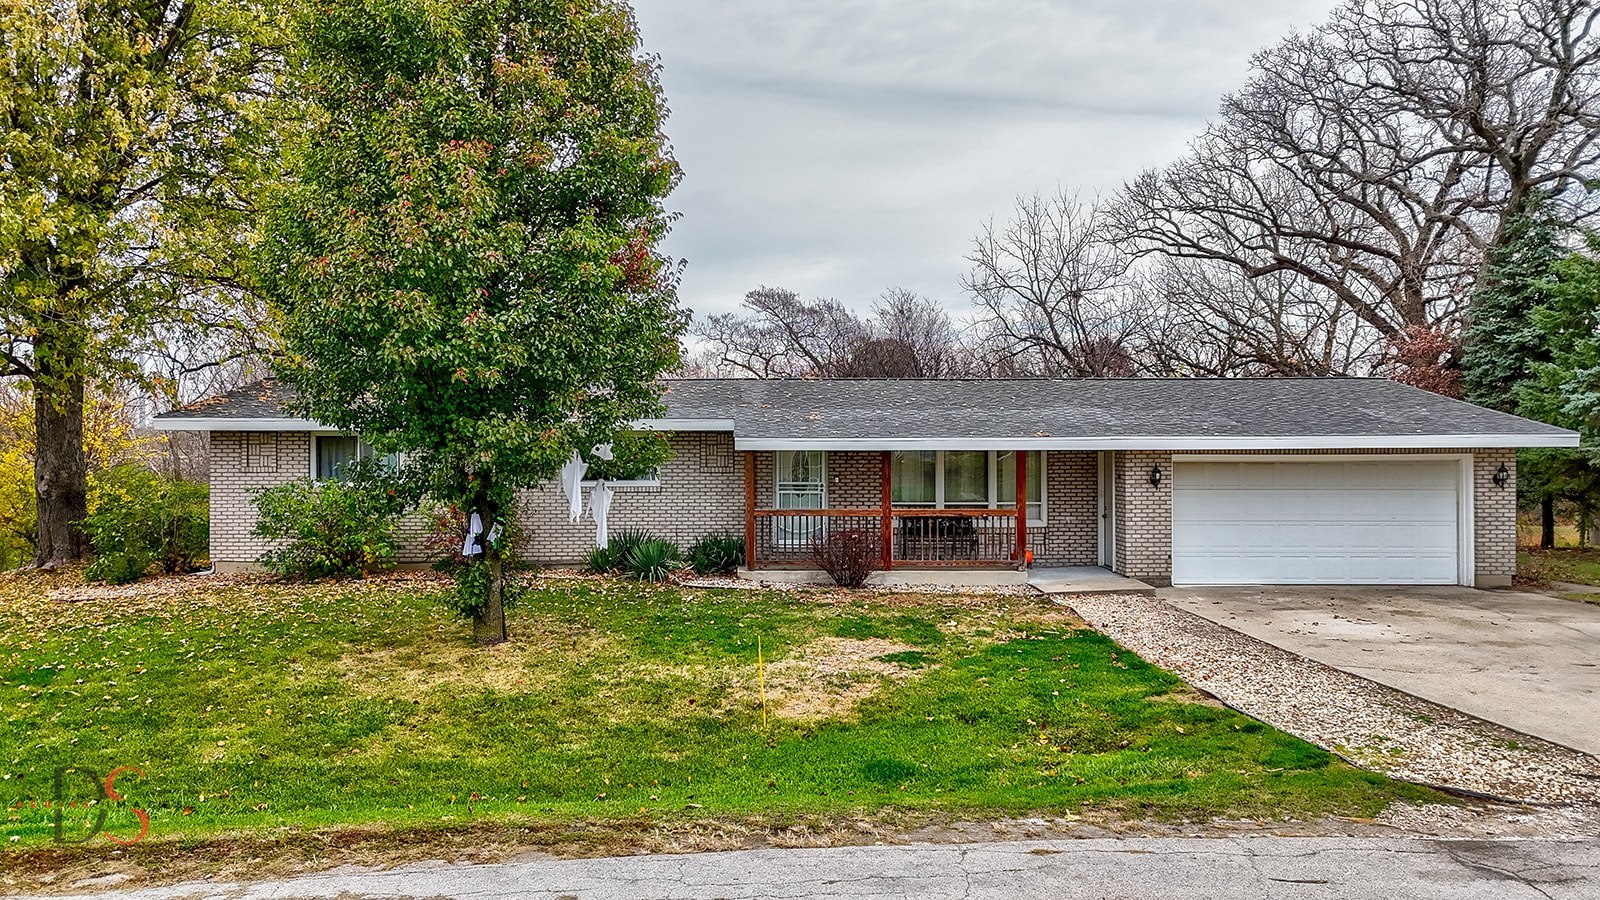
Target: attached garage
x,y
1322,520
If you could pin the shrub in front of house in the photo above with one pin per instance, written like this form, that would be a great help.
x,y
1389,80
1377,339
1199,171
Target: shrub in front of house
x,y
140,521
848,555
336,528
653,560
613,557
717,554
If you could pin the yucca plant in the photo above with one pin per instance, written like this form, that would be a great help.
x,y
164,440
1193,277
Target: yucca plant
x,y
717,554
613,557
652,560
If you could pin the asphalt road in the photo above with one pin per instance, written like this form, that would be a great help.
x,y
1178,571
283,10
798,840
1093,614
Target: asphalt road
x,y
1124,869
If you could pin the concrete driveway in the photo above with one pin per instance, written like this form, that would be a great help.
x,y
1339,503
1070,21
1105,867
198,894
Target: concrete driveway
x,y
1525,661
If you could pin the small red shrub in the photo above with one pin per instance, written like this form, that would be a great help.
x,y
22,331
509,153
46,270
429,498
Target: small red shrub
x,y
848,555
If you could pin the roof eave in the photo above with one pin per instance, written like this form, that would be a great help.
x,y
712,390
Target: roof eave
x,y
1172,442
283,423
234,423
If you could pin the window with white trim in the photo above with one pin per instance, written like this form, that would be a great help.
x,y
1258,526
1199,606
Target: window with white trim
x,y
966,479
333,454
643,478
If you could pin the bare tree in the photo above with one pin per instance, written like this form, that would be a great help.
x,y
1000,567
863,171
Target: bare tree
x,y
1516,83
782,336
1215,321
1373,162
1054,297
912,337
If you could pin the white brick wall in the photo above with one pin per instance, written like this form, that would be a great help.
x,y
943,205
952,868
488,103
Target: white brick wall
x,y
1494,514
1144,514
1072,510
702,492
279,458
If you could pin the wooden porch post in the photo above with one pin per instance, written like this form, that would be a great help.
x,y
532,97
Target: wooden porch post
x,y
887,525
1021,460
749,509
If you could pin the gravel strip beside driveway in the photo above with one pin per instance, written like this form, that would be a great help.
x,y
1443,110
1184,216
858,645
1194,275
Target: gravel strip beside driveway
x,y
1377,727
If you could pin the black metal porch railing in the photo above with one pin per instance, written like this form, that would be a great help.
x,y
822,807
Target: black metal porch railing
x,y
912,537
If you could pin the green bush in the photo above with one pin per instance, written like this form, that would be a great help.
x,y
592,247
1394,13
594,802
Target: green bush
x,y
118,568
139,520
600,560
652,560
330,528
717,554
613,557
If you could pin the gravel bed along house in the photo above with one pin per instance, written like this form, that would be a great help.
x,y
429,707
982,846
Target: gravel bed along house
x,y
1374,726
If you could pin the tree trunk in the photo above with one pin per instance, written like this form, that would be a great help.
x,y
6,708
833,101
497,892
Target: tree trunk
x,y
1547,523
489,624
60,479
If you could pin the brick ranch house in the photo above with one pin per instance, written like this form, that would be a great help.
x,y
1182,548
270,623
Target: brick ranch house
x,y
1187,481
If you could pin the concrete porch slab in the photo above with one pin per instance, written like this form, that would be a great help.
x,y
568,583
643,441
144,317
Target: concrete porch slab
x,y
907,577
1070,580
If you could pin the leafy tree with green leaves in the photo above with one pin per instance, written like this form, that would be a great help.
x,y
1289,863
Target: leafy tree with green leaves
x,y
466,270
133,137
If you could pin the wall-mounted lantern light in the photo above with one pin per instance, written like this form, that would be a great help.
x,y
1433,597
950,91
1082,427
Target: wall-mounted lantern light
x,y
1155,476
1502,476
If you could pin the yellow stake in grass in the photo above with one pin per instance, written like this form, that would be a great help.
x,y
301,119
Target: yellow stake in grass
x,y
761,676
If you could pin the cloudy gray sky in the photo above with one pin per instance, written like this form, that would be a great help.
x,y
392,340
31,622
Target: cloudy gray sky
x,y
840,147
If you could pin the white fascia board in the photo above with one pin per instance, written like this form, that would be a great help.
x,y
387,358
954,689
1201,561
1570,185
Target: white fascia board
x,y
1171,442
195,423
684,424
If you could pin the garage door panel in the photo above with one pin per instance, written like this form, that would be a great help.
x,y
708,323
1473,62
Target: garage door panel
x,y
1308,522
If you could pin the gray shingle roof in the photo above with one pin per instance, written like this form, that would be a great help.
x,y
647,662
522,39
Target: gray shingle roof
x,y
264,399
1044,411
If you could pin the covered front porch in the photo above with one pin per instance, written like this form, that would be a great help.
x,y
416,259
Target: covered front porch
x,y
967,509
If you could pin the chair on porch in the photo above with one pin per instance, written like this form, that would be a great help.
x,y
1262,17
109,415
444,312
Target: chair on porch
x,y
938,538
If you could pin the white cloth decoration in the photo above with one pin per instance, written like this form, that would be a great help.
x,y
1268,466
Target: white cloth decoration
x,y
603,451
493,535
572,484
469,547
599,506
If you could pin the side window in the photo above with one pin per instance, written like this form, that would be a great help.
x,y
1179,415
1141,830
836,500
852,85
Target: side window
x,y
335,452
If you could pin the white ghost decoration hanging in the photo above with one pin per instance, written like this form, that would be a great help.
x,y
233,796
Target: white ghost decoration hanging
x,y
599,507
572,473
469,547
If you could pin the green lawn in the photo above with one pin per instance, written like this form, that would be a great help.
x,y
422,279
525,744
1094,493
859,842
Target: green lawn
x,y
264,709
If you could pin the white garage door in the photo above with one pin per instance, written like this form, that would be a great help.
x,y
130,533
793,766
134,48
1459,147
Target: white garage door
x,y
1366,522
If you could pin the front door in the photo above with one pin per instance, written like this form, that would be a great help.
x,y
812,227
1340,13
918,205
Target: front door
x,y
801,482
